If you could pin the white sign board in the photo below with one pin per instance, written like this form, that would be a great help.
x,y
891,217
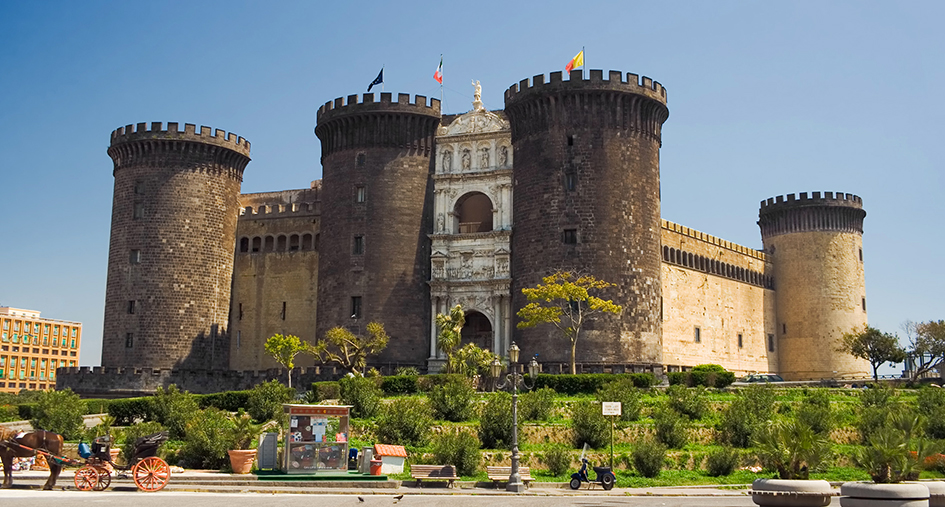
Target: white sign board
x,y
611,407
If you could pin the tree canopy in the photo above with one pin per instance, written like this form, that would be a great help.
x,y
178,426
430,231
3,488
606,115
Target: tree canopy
x,y
284,349
565,300
348,350
451,326
873,345
926,346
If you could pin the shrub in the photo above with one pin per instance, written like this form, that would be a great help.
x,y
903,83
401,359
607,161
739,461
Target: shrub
x,y
585,383
127,436
399,384
230,401
721,462
495,423
407,370
265,400
931,402
536,405
427,382
458,448
558,460
879,395
689,402
208,437
751,408
678,378
9,413
672,428
453,401
627,394
130,411
643,380
648,457
815,411
60,412
173,408
25,410
326,390
590,426
405,421
791,447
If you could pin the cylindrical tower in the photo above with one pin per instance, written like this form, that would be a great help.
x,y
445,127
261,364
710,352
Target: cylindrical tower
x,y
587,199
377,199
170,259
815,244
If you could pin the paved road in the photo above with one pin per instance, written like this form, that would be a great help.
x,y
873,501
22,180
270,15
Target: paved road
x,y
33,498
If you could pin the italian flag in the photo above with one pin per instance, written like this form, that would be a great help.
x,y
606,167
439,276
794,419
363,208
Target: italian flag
x,y
438,75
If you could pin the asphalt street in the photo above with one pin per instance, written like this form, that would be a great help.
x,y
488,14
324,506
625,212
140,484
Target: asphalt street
x,y
32,498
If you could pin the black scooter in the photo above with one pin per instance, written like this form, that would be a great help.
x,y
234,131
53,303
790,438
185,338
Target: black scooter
x,y
605,477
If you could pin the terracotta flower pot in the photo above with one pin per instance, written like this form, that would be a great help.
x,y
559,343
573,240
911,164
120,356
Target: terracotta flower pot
x,y
868,494
241,460
795,493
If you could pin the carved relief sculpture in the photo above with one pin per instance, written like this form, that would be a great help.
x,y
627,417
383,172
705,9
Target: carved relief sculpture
x,y
467,159
447,161
503,156
483,158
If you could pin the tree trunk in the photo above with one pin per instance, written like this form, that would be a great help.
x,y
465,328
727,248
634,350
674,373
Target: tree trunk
x,y
573,353
290,378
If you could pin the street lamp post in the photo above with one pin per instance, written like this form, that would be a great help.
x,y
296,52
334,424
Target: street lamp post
x,y
515,483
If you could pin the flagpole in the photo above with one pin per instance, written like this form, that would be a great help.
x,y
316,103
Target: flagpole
x,y
441,82
585,62
382,81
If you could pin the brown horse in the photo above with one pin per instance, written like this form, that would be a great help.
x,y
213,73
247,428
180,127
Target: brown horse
x,y
13,444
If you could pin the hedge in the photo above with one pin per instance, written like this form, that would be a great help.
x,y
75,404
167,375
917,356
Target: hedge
x,y
231,401
694,378
326,390
590,383
128,411
399,384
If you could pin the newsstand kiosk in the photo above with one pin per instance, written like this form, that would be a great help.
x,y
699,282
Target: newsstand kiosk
x,y
316,439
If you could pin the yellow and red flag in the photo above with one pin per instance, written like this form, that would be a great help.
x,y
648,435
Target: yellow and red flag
x,y
577,61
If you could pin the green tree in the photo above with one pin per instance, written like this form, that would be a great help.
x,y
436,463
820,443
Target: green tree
x,y
284,349
173,408
60,412
926,346
567,301
873,345
348,350
265,400
450,326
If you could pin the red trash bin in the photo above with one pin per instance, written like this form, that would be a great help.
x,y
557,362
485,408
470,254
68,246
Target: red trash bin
x,y
376,466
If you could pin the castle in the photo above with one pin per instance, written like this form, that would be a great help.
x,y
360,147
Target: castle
x,y
418,211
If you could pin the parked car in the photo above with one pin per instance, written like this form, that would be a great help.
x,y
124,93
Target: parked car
x,y
761,377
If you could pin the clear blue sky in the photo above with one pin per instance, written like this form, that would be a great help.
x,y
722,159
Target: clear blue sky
x,y
765,98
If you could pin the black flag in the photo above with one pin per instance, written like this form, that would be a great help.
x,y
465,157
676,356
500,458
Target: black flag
x,y
378,80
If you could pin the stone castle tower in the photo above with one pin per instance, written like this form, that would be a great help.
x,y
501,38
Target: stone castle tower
x,y
170,260
377,213
816,245
587,198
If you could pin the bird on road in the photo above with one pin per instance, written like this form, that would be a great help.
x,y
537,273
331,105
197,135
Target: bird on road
x,y
398,497
360,499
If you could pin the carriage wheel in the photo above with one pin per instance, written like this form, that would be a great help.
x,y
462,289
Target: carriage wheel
x,y
86,478
151,474
104,479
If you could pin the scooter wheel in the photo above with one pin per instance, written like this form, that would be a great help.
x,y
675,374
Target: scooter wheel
x,y
575,483
607,482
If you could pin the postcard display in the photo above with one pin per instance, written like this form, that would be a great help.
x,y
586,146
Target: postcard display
x,y
317,439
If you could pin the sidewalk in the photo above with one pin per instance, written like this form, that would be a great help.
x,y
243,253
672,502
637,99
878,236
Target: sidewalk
x,y
200,481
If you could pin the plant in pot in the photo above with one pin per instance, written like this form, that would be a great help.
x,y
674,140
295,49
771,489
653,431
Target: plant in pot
x,y
243,434
792,448
894,454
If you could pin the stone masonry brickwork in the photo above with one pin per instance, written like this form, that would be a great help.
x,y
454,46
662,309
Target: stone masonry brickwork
x,y
170,261
587,198
376,248
815,242
213,273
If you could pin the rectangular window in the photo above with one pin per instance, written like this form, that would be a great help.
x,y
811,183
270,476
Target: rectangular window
x,y
783,328
6,324
861,255
55,342
74,330
356,307
864,304
135,257
770,343
570,182
16,326
55,330
45,341
129,340
73,343
360,195
740,342
26,327
570,237
131,307
5,337
283,310
697,334
139,211
16,338
358,248
239,339
139,188
241,311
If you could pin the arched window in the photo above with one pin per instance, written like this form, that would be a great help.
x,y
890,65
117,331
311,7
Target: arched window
x,y
280,243
244,245
270,244
666,253
306,242
477,330
293,242
257,243
473,213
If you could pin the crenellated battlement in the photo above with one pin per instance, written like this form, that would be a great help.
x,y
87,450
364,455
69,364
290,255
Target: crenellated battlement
x,y
616,80
812,199
814,211
206,135
279,210
351,104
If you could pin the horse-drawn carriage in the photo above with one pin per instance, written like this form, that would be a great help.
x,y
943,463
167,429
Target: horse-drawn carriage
x,y
146,469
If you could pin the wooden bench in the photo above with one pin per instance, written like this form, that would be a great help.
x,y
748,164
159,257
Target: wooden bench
x,y
433,473
497,474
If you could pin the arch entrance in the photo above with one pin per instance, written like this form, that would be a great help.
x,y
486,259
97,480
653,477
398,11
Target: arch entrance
x,y
478,330
473,213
